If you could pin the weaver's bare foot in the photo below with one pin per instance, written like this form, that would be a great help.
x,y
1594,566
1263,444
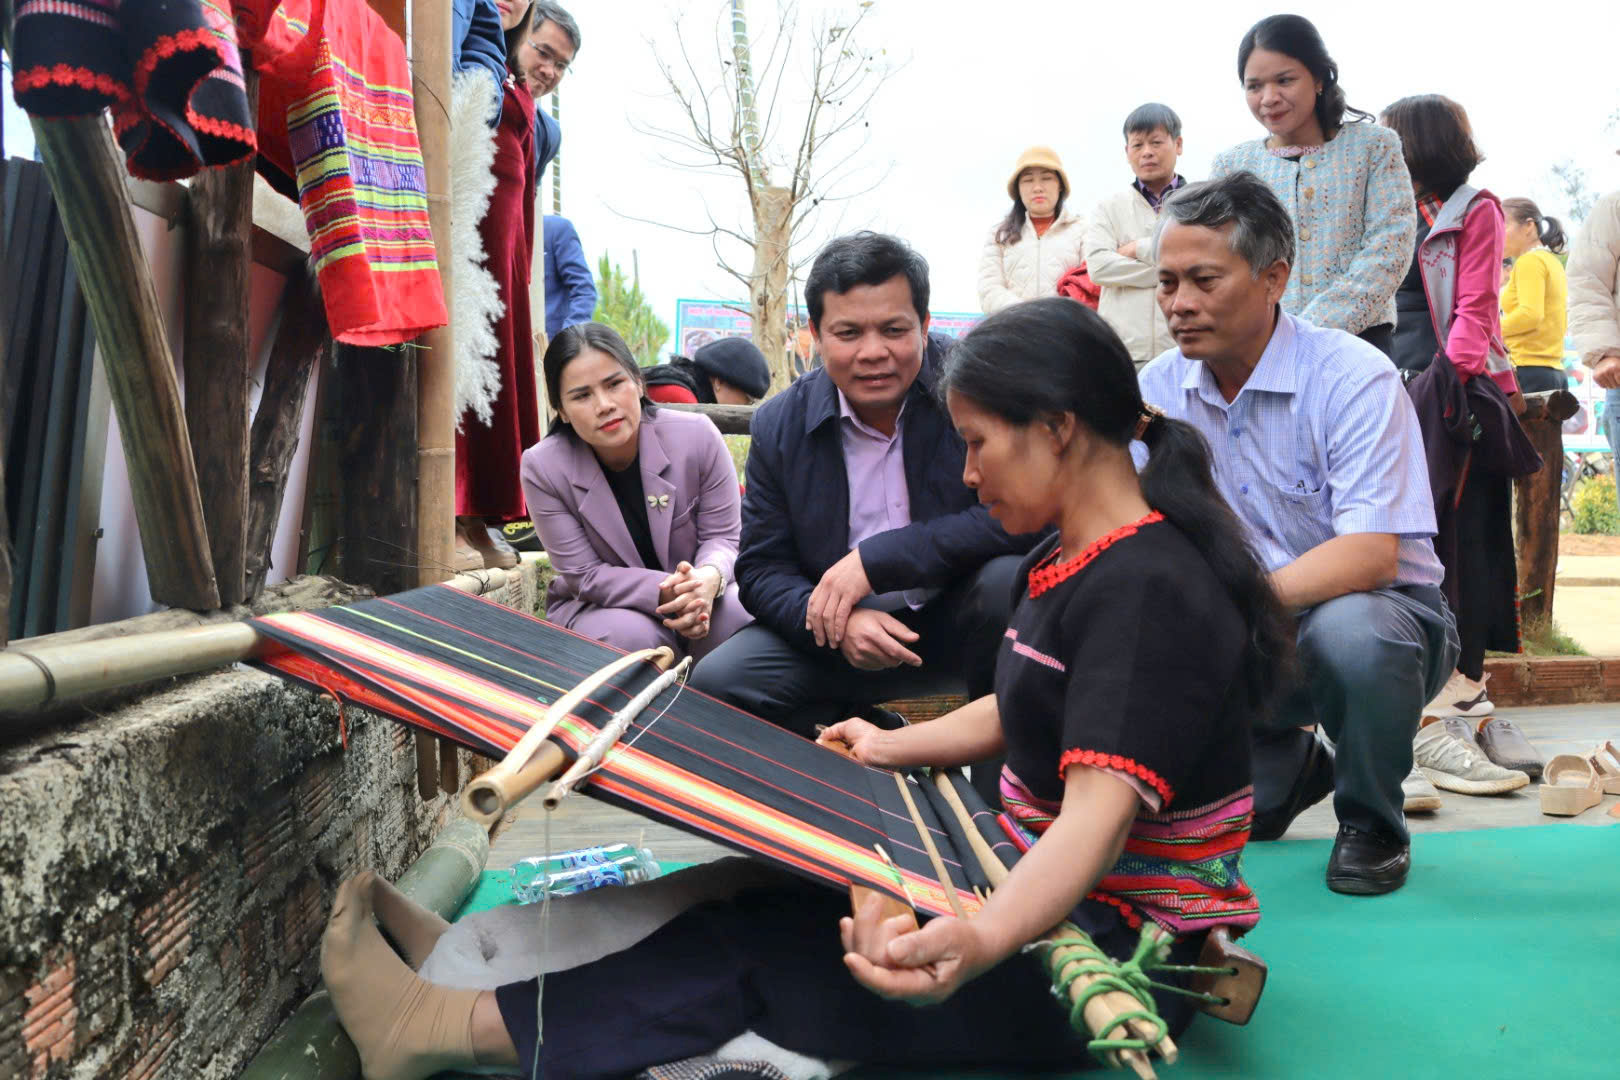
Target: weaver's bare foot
x,y
404,1027
413,927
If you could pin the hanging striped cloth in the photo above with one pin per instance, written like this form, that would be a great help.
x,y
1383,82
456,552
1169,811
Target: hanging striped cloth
x,y
336,113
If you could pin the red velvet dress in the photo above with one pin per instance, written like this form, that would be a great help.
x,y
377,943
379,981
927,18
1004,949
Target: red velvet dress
x,y
488,457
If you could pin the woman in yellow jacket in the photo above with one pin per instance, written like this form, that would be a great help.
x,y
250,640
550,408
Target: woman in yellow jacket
x,y
1533,301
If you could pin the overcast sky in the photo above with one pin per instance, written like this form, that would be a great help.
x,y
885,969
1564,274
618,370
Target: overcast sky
x,y
976,83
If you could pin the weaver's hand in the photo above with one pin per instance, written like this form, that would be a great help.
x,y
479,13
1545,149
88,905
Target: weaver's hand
x,y
922,967
875,640
864,739
1606,372
842,587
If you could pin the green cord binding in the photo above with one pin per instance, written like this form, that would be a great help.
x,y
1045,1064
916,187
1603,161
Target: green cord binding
x,y
1129,977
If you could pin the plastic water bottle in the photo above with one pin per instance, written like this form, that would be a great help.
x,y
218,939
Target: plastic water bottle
x,y
582,869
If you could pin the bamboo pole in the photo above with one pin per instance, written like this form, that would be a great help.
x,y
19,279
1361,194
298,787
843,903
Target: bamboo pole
x,y
219,243
52,674
436,377
87,179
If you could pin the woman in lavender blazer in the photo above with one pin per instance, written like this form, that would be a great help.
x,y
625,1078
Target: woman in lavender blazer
x,y
637,507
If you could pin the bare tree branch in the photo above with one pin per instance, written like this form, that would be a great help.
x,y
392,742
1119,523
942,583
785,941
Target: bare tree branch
x,y
733,109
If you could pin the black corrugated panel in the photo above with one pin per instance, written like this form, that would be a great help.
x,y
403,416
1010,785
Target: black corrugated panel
x,y
48,359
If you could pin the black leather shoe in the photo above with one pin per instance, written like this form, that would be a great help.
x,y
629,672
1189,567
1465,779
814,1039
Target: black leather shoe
x,y
1312,781
1367,864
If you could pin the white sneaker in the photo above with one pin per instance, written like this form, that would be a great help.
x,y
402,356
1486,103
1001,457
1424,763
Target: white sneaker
x,y
1419,795
1448,755
1461,696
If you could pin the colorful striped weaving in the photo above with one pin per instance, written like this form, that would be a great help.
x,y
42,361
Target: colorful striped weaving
x,y
481,674
336,113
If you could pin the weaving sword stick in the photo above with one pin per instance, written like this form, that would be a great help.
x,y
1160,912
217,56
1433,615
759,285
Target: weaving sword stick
x,y
1102,1011
534,759
609,736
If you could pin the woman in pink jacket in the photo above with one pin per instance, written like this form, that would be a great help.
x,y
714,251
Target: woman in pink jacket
x,y
638,507
1449,311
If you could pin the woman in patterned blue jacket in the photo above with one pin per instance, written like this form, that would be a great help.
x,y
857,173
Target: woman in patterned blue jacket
x,y
1343,181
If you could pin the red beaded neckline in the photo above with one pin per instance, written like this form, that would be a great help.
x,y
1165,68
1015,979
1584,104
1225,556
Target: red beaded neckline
x,y
1048,574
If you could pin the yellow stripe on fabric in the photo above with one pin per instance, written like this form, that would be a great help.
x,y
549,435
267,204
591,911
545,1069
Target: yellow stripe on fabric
x,y
427,672
460,652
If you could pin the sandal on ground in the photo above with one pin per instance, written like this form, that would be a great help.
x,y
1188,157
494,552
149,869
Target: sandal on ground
x,y
1570,786
1605,760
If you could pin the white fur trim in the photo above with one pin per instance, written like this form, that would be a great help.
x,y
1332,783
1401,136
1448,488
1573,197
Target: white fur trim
x,y
475,302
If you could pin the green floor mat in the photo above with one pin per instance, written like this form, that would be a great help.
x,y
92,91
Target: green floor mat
x,y
1500,958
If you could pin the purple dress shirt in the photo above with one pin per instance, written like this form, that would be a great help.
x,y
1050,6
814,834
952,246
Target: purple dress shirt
x,y
878,497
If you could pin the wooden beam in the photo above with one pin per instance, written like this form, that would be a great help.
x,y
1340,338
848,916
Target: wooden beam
x,y
86,174
431,59
301,340
1537,504
218,355
730,419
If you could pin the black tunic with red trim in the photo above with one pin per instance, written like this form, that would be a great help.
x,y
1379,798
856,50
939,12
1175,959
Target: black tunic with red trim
x,y
1127,658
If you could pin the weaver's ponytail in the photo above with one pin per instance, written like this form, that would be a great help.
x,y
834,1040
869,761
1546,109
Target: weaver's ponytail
x,y
1178,482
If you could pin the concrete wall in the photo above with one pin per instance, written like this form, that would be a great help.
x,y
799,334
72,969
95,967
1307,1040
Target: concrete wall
x,y
166,870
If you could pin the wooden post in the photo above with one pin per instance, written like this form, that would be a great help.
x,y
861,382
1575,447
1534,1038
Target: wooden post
x,y
217,358
301,340
87,178
1537,505
436,377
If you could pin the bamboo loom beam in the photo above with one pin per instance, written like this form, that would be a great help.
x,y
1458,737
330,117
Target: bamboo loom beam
x,y
1539,503
86,176
218,355
436,377
301,340
48,674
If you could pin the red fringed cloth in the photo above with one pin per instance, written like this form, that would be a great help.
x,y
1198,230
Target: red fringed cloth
x,y
170,71
335,111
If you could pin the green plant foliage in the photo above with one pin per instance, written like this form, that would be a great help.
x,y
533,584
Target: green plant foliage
x,y
1593,508
621,305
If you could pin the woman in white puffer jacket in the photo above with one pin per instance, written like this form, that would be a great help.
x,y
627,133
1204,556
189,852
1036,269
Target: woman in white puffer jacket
x,y
1038,242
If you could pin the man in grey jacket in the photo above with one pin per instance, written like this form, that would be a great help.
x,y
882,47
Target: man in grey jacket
x,y
1118,245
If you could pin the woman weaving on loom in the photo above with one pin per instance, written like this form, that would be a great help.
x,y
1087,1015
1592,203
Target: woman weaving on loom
x,y
1145,639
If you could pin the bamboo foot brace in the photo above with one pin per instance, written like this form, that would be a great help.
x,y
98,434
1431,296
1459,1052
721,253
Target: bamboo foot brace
x,y
404,1027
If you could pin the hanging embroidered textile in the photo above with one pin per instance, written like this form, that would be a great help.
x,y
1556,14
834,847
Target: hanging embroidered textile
x,y
171,72
336,113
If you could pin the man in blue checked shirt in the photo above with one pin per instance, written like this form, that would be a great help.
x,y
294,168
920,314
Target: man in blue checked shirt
x,y
1316,447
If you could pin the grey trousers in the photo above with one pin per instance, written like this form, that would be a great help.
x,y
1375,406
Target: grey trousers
x,y
1368,663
